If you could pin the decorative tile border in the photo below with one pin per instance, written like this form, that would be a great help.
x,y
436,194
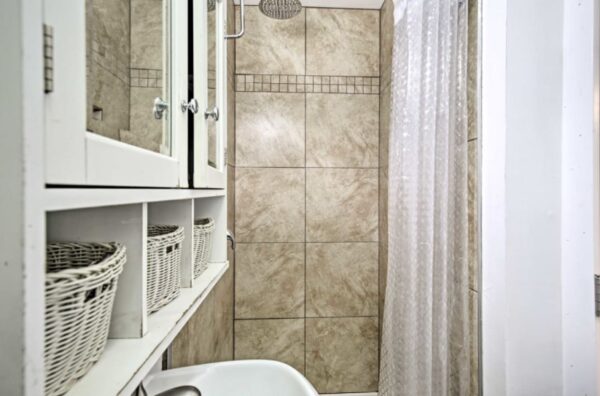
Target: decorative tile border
x,y
310,84
48,58
146,78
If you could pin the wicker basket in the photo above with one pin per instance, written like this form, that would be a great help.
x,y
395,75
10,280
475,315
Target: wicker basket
x,y
164,262
81,282
203,230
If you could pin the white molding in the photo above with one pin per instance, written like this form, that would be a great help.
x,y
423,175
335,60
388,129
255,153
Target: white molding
x,y
578,200
110,162
79,198
359,4
493,197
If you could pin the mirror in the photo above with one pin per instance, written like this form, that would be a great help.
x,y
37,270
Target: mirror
x,y
127,68
211,80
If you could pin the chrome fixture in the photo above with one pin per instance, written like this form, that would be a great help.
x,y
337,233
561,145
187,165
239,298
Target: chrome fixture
x,y
243,24
160,106
280,9
191,106
230,236
214,114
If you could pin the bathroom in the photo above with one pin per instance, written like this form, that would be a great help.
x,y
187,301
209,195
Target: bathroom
x,y
300,197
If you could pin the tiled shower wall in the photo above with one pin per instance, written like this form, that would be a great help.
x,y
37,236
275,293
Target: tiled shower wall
x,y
306,187
473,169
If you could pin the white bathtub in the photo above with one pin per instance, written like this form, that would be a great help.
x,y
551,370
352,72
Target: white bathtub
x,y
235,378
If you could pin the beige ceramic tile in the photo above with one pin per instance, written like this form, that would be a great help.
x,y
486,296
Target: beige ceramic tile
x,y
341,205
271,46
269,205
276,339
473,70
341,354
146,34
195,344
342,130
223,301
111,94
342,42
341,279
387,40
269,280
270,129
473,214
474,342
230,197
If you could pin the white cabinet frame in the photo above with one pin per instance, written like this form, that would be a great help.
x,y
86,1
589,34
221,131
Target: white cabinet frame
x,y
206,176
77,157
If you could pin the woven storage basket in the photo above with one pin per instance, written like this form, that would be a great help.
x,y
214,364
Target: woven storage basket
x,y
81,282
164,262
203,230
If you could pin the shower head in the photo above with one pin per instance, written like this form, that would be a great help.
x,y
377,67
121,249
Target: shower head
x,y
280,9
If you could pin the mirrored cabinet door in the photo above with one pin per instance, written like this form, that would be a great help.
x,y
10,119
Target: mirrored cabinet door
x,y
127,72
209,64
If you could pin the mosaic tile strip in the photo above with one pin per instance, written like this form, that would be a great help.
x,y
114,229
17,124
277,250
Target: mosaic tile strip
x,y
310,84
146,78
48,59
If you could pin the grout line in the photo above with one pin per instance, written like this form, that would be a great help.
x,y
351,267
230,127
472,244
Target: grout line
x,y
313,317
305,242
305,180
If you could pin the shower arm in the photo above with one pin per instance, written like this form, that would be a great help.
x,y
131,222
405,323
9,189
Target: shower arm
x,y
243,24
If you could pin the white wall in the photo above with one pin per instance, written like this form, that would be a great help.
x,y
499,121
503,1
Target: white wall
x,y
537,192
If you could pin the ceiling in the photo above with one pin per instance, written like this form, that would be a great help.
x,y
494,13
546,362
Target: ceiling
x,y
366,4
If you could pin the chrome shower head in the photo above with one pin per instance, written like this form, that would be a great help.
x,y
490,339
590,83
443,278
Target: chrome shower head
x,y
280,9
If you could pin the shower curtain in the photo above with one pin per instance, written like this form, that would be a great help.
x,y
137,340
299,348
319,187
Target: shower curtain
x,y
425,322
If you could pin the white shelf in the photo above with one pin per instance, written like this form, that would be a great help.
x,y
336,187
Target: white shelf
x,y
56,199
125,362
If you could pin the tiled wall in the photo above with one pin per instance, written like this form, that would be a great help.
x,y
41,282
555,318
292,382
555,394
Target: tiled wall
x,y
208,336
306,187
473,185
385,103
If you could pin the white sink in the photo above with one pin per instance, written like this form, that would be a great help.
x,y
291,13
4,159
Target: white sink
x,y
235,378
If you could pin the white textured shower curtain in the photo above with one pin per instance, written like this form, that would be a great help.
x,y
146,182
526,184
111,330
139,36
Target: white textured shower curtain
x,y
425,322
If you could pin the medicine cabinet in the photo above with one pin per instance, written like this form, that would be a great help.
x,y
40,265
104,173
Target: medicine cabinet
x,y
135,93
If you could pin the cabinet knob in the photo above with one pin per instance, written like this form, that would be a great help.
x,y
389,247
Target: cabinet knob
x,y
214,114
191,106
160,106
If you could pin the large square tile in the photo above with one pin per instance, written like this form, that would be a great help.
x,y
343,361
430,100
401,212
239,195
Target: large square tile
x,y
341,205
342,354
270,46
269,280
474,342
341,279
269,205
342,42
276,339
269,129
342,130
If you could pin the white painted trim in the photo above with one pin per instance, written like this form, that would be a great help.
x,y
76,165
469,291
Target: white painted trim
x,y
578,204
360,4
114,163
493,197
80,198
